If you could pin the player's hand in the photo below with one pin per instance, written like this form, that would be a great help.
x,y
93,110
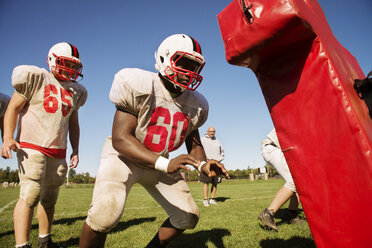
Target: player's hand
x,y
8,146
74,160
214,168
181,161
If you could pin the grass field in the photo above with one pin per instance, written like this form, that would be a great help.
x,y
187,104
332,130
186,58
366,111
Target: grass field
x,y
232,223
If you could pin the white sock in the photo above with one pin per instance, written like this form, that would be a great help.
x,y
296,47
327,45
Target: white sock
x,y
17,246
43,235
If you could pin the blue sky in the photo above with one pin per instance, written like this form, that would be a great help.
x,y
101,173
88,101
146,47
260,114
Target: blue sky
x,y
116,34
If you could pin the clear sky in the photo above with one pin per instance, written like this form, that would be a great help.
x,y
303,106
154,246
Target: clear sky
x,y
115,34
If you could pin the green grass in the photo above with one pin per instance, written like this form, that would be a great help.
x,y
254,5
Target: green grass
x,y
231,223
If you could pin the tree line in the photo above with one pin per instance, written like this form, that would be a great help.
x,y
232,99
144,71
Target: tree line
x,y
193,175
8,175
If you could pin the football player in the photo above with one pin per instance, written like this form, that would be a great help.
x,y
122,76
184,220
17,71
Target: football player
x,y
46,106
272,154
155,114
4,101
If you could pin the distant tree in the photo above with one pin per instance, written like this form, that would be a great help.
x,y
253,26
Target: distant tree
x,y
191,175
271,170
13,176
86,177
2,176
239,174
71,173
231,174
91,180
80,177
8,175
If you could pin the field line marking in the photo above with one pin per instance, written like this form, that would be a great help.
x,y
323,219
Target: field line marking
x,y
7,205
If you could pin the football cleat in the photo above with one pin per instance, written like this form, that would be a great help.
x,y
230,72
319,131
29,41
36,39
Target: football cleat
x,y
267,217
47,242
291,217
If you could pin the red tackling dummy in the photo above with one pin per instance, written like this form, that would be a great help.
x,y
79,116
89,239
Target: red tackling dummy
x,y
324,129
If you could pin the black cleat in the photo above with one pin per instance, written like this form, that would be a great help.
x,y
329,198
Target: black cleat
x,y
267,217
291,217
47,242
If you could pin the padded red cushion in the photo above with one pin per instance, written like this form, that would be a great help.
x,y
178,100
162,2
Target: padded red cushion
x,y
323,127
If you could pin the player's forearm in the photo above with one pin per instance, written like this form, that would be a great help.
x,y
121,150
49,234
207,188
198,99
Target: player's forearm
x,y
126,143
2,127
74,136
16,104
10,123
132,149
198,153
195,147
74,132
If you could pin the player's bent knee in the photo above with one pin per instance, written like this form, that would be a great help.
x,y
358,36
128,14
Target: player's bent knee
x,y
291,186
104,218
103,224
49,197
186,221
30,194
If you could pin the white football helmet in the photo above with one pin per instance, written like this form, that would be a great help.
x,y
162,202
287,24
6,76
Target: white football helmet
x,y
64,62
178,55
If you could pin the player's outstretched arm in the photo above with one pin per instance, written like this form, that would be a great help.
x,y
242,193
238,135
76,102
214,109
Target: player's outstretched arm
x,y
17,102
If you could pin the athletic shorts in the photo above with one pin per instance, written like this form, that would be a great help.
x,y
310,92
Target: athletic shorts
x,y
40,177
205,179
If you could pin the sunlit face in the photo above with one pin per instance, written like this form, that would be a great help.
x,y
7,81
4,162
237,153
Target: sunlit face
x,y
211,132
187,65
184,71
71,67
66,69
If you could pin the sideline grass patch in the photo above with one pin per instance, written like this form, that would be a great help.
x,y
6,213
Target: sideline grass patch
x,y
232,223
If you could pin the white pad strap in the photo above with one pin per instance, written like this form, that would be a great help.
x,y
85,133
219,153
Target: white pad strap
x,y
200,165
161,164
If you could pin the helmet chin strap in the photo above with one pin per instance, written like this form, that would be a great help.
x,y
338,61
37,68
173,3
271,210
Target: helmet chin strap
x,y
174,89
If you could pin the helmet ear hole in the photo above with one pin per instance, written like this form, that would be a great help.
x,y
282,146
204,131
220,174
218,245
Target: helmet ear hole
x,y
162,59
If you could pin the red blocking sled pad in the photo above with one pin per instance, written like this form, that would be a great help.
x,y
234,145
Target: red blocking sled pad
x,y
324,129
